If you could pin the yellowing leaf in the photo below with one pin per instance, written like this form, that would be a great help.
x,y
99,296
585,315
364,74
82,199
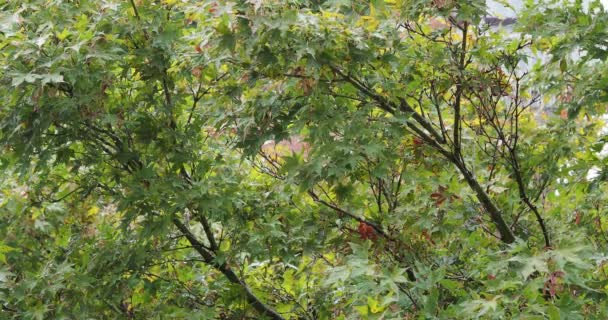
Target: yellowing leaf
x,y
363,310
93,211
63,34
374,305
369,23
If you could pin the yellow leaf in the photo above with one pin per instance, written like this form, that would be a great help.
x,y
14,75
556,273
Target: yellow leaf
x,y
225,245
331,15
63,34
374,305
362,310
368,22
93,211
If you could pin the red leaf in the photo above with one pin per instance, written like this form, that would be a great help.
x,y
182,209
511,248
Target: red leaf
x,y
367,232
577,218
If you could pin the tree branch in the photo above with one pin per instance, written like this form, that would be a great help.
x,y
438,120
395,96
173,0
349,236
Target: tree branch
x,y
458,95
341,211
435,140
209,258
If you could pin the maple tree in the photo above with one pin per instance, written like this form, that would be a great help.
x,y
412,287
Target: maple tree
x,y
302,160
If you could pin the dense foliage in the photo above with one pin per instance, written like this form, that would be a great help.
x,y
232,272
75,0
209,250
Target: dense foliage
x,y
183,159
